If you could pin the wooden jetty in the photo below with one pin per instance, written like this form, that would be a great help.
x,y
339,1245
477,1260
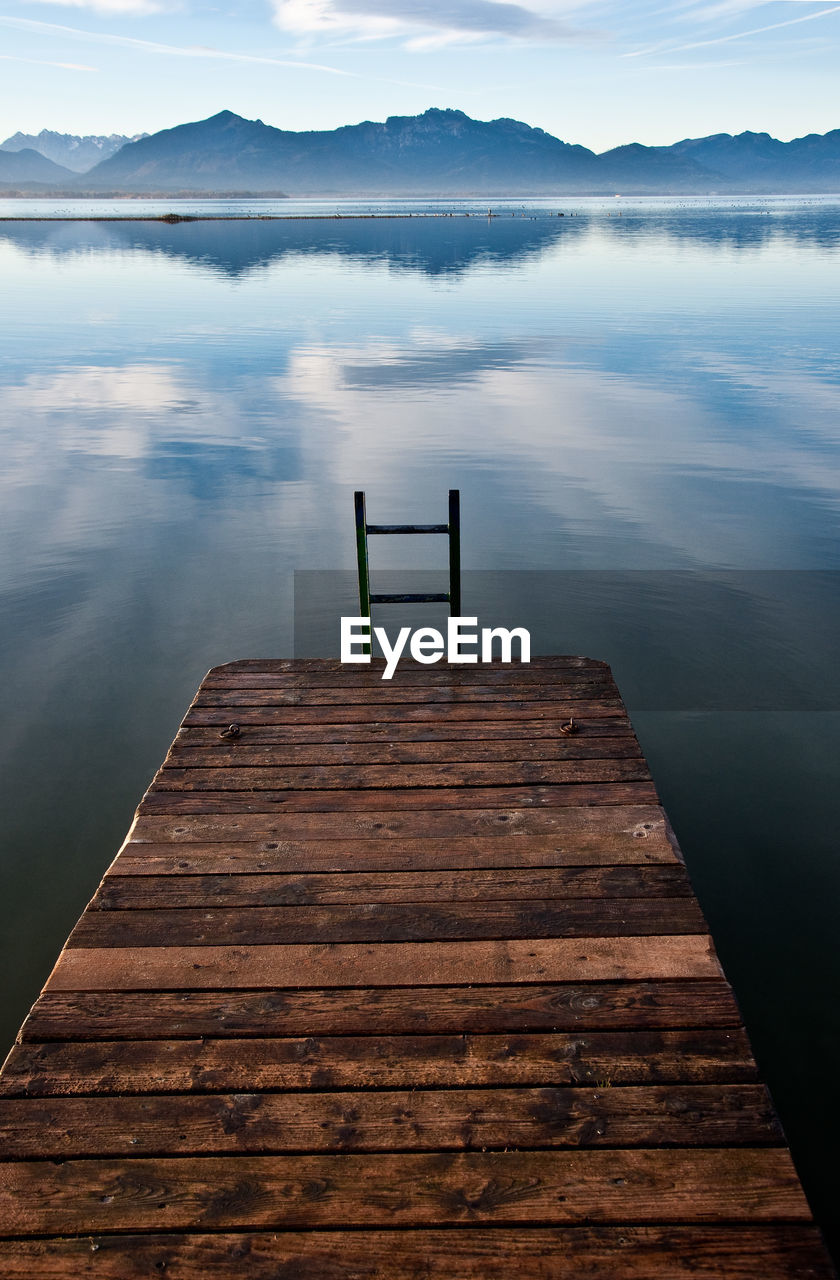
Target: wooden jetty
x,y
402,980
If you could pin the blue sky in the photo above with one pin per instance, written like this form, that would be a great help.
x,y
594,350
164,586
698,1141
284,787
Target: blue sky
x,y
597,72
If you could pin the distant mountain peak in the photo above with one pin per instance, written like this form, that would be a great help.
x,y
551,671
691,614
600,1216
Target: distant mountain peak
x,y
20,166
448,113
71,150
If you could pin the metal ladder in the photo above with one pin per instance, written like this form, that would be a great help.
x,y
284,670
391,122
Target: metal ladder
x,y
452,597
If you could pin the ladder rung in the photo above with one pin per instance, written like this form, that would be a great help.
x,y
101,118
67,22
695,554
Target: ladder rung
x,y
438,597
407,528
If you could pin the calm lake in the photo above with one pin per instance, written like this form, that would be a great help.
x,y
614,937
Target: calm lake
x,y
640,403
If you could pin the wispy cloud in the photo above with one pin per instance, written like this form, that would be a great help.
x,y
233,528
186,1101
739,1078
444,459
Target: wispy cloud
x,y
665,47
706,12
693,66
198,51
113,8
168,50
433,21
43,62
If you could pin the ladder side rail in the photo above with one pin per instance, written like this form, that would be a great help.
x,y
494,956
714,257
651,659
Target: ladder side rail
x,y
362,559
455,553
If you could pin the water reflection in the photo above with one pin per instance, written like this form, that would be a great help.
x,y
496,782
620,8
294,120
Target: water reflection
x,y
187,409
434,245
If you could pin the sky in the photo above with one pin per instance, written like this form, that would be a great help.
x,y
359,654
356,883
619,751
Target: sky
x,y
596,72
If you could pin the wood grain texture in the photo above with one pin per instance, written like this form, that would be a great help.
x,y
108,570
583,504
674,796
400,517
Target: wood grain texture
x,y
408,672
386,964
633,1186
388,922
240,776
126,893
378,712
382,692
579,829
397,733
461,799
438,1120
217,752
712,1252
611,1058
162,1015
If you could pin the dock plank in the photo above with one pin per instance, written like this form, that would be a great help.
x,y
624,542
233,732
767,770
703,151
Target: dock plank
x,y
716,1252
241,776
408,799
187,753
387,922
438,1120
409,964
410,1189
581,709
401,980
384,734
613,1058
164,1015
386,692
355,888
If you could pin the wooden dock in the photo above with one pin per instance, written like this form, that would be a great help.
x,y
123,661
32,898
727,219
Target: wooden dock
x,y
402,981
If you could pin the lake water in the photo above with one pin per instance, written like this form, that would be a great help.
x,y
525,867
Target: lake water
x,y
640,403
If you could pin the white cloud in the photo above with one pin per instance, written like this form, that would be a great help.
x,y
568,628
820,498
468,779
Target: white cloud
x,y
429,22
111,8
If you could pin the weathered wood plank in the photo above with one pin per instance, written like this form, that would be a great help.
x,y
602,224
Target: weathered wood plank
x,y
712,1252
386,692
412,731
178,856
377,664
582,709
638,1186
578,830
215,751
246,859
120,892
442,1119
462,799
140,1015
407,673
240,777
388,922
607,1058
383,964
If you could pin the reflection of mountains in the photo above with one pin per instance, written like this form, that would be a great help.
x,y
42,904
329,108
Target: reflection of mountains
x,y
732,228
433,246
429,245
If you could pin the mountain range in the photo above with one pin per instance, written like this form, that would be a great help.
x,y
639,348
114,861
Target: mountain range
x,y
441,152
69,150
